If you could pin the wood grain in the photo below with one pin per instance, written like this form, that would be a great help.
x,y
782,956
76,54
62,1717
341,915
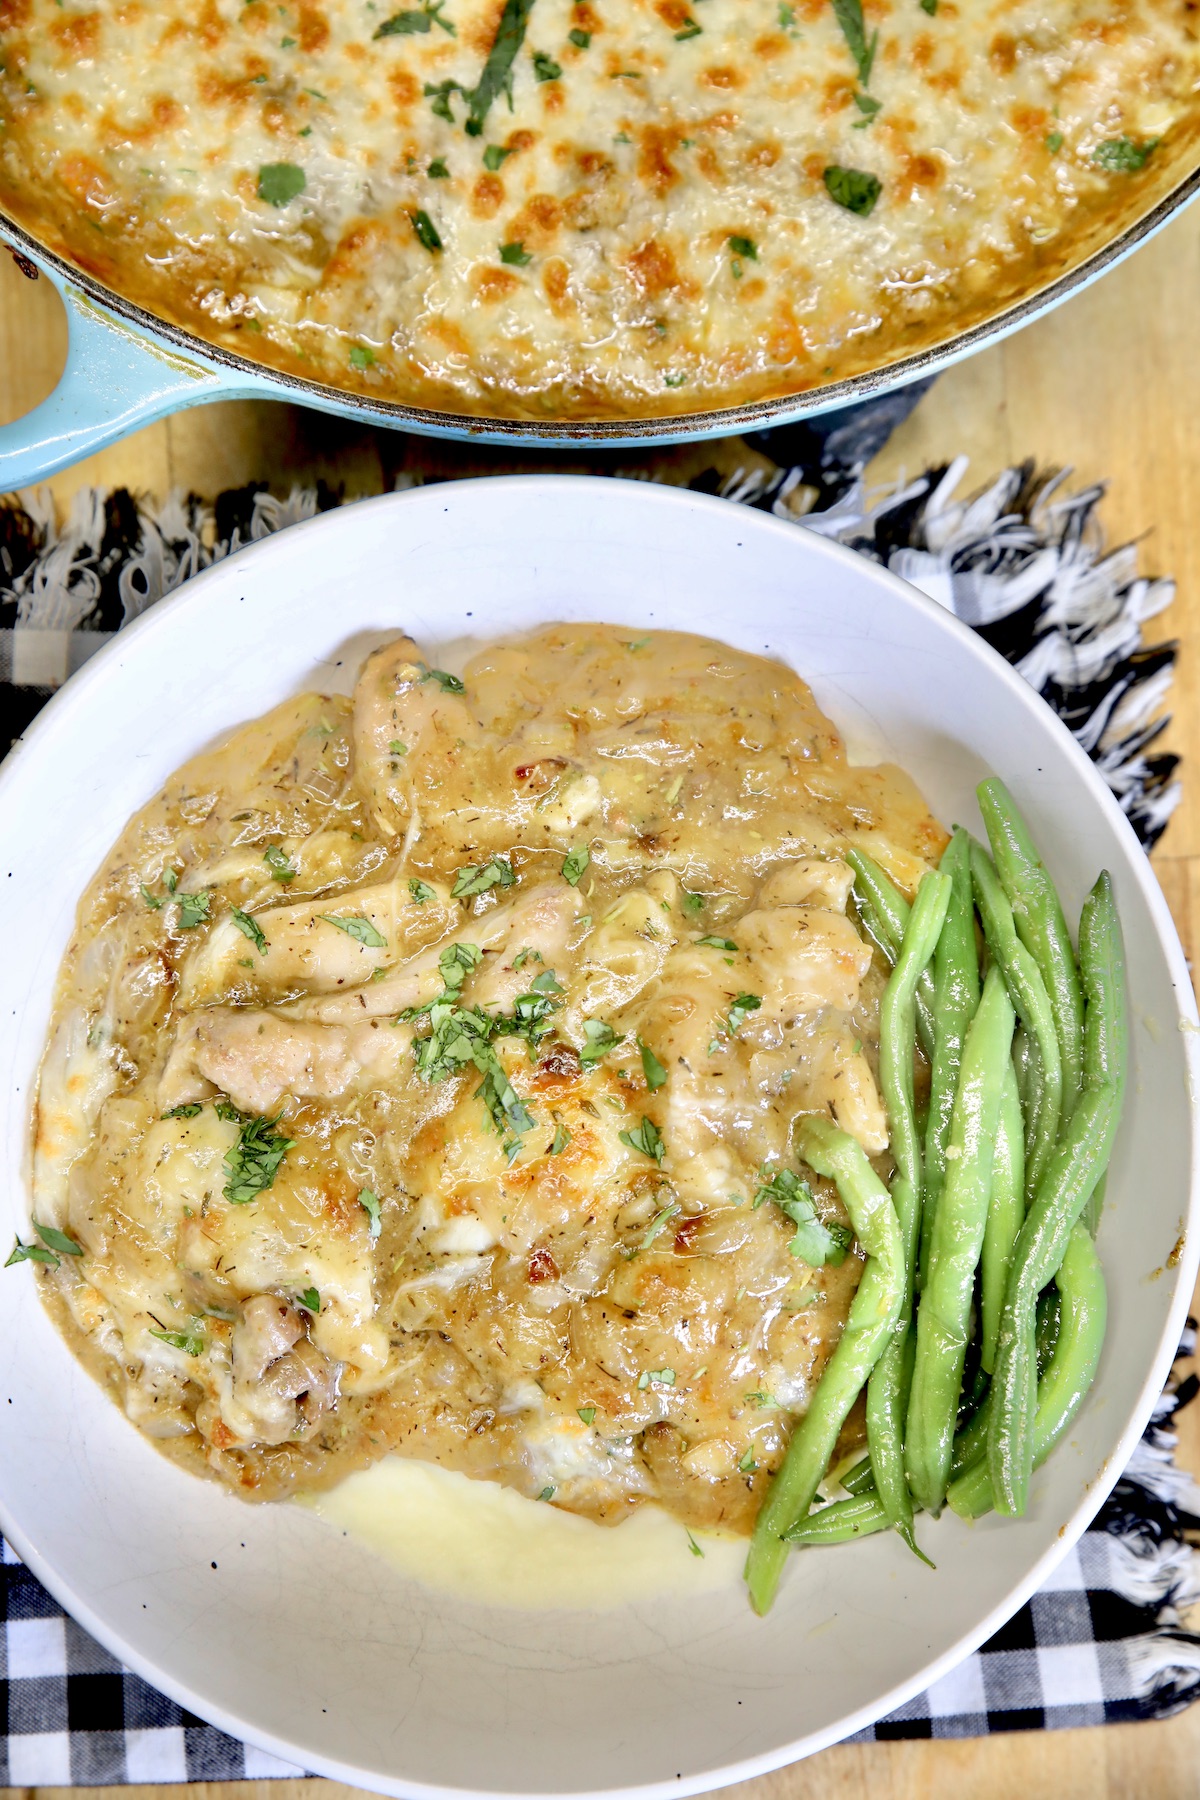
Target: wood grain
x,y
1110,385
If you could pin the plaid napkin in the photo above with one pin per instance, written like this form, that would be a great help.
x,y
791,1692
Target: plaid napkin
x,y
1024,563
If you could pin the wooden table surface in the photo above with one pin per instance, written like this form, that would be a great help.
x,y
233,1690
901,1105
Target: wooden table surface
x,y
1109,384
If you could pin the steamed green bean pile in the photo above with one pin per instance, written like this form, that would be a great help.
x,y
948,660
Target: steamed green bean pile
x,y
979,1320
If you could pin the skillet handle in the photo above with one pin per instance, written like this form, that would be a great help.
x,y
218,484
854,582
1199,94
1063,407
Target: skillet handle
x,y
115,380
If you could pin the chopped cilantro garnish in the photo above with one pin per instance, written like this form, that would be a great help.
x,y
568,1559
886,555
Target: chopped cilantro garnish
x,y
524,956
361,930
396,748
421,891
57,1240
693,903
181,1340
437,170
744,246
279,183
281,869
544,67
455,963
190,1110
496,78
574,864
226,1110
815,1242
658,1223
599,1039
748,1464
425,229
547,1493
868,107
151,900
587,1414
494,156
193,909
930,7
661,1378
689,30
676,378
652,1069
645,1137
1123,155
855,189
580,39
713,942
1054,142
361,357
849,15
496,872
253,1162
562,1138
515,254
371,1206
310,1300
249,928
404,24
547,983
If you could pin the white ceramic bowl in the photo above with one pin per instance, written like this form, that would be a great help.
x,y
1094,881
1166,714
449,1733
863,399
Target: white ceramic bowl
x,y
264,1620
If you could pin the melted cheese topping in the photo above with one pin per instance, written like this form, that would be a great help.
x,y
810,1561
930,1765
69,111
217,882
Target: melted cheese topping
x,y
419,1061
560,209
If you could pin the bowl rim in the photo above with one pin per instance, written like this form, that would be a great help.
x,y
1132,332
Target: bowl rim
x,y
161,618
752,416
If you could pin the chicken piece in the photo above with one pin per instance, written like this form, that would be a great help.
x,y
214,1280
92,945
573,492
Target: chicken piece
x,y
257,1057
539,918
282,1385
304,949
802,958
812,881
398,701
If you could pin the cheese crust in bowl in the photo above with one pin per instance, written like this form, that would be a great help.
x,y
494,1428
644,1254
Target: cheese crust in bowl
x,y
546,210
425,1065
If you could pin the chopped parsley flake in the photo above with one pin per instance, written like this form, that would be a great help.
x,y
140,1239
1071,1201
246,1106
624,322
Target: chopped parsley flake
x,y
748,1464
361,357
494,156
281,869
646,1138
868,107
547,1493
855,189
449,684
744,246
660,1377
249,928
421,891
252,1164
930,7
310,1300
547,983
599,1039
587,1414
361,930
849,15
713,942
31,1253
1123,155
280,183
652,1069
580,39
371,1206
437,170
544,67
425,229
562,1138
817,1243
57,1240
193,909
693,903
741,1009
693,1546
524,956
496,78
190,1110
496,872
151,900
515,254
404,24
181,1340
574,864
397,748
658,1224
677,379
1054,142
690,29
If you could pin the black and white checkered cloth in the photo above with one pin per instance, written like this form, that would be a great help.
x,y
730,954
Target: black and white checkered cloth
x,y
1024,563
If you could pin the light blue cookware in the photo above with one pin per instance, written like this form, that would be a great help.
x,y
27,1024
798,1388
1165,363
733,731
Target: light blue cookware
x,y
125,368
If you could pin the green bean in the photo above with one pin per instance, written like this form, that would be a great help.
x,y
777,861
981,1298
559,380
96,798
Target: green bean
x,y
1069,1374
860,1479
1041,925
887,1391
1006,1215
958,1232
956,991
1029,996
1022,1053
970,1444
1075,1168
841,1522
883,905
872,1319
